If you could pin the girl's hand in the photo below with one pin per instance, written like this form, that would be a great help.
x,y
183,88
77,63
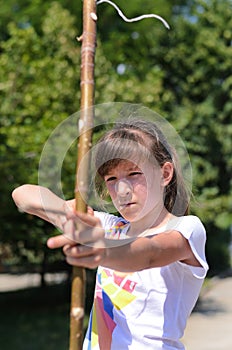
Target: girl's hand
x,y
82,239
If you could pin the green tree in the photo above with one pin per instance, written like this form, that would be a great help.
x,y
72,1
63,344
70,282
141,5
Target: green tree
x,y
35,97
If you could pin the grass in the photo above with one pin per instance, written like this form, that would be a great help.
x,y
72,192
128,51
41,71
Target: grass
x,y
35,319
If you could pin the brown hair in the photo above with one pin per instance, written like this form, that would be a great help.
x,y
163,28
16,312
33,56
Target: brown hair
x,y
141,139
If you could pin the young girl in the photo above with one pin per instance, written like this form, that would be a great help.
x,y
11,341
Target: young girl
x,y
151,260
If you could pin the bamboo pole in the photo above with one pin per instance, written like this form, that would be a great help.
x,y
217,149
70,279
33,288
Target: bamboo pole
x,y
88,39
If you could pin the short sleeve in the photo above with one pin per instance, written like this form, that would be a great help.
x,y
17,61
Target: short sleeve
x,y
194,231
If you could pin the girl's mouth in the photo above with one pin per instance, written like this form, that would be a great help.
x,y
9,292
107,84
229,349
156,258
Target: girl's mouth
x,y
126,205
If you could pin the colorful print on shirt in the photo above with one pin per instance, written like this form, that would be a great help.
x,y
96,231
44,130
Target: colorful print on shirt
x,y
113,291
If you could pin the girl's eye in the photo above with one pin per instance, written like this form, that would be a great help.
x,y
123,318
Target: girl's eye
x,y
135,173
110,179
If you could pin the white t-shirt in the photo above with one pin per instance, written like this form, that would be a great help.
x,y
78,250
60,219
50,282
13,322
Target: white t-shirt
x,y
147,309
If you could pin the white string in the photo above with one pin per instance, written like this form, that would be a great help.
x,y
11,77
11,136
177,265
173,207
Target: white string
x,y
139,18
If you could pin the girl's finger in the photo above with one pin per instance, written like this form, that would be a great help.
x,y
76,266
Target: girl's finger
x,y
89,261
84,218
90,211
78,251
83,228
59,241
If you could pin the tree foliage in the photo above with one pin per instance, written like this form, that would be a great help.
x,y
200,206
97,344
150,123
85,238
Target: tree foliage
x,y
35,97
184,74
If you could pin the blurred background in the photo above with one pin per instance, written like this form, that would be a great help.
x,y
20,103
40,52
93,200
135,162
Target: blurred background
x,y
184,74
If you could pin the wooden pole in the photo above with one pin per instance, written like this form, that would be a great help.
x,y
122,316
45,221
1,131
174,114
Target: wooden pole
x,y
88,39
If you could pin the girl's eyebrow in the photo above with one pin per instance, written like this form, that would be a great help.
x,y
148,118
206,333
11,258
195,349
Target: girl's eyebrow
x,y
135,167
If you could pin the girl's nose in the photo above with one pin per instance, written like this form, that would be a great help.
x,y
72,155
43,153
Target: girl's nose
x,y
123,188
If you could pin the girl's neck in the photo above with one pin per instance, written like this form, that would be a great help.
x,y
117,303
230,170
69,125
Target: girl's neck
x,y
150,222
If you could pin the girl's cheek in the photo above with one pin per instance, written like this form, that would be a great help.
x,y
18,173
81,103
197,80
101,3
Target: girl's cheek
x,y
140,187
111,191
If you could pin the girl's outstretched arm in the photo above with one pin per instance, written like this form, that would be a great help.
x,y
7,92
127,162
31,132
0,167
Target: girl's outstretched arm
x,y
151,251
142,253
87,247
34,199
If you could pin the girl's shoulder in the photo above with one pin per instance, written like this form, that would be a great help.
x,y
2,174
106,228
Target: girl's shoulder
x,y
187,225
184,224
190,220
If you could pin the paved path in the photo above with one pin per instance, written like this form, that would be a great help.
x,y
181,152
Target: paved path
x,y
210,327
10,282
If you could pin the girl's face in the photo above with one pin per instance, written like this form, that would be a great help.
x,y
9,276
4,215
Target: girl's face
x,y
136,190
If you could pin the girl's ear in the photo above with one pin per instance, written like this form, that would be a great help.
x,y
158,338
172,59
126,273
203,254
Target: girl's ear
x,y
167,173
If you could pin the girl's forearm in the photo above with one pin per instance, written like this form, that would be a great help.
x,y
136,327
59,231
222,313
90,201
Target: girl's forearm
x,y
35,199
134,255
151,251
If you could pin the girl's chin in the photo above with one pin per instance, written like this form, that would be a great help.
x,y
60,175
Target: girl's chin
x,y
130,216
136,215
